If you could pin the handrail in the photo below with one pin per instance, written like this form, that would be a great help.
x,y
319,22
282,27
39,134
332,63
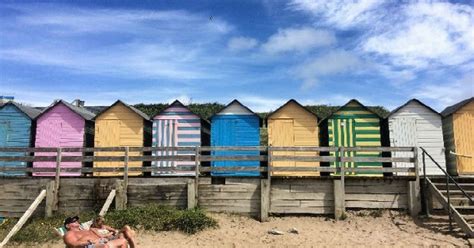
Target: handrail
x,y
447,175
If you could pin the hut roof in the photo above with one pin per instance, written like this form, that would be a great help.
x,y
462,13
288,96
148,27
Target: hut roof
x,y
297,103
84,113
453,108
31,112
351,101
138,112
237,102
410,101
177,102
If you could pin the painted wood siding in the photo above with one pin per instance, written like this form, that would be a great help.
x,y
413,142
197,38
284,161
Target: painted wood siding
x,y
463,126
235,130
118,126
415,125
59,127
15,131
293,126
448,137
176,127
353,125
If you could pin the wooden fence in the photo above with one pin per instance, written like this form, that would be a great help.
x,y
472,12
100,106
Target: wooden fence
x,y
263,195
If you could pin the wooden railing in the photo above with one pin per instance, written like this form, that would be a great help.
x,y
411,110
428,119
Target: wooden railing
x,y
200,155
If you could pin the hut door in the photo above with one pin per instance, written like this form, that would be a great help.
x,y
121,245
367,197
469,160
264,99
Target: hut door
x,y
344,135
464,136
3,133
403,134
283,135
108,134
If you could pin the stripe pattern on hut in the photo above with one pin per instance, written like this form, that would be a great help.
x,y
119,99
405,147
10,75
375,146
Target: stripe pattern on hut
x,y
354,125
176,126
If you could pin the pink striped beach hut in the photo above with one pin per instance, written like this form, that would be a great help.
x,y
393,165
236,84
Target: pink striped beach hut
x,y
178,126
63,125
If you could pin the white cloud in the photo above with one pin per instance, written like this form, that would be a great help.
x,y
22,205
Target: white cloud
x,y
429,35
121,43
261,103
331,63
445,94
300,40
341,13
241,43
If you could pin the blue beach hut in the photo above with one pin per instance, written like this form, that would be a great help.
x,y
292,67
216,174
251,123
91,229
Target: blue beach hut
x,y
17,129
235,125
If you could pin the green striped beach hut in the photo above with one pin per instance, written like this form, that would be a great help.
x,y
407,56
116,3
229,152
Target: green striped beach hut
x,y
354,125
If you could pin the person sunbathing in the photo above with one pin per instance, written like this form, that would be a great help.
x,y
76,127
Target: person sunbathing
x,y
77,238
103,231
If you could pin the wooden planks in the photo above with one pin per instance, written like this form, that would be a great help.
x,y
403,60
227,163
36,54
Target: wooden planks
x,y
376,193
237,195
314,196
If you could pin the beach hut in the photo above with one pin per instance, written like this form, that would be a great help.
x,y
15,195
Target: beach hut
x,y
458,132
235,125
416,124
121,125
289,126
17,128
178,126
63,125
354,125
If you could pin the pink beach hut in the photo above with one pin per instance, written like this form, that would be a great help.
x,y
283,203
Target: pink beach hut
x,y
63,125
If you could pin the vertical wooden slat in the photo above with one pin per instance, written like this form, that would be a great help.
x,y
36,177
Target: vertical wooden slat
x,y
264,199
191,194
56,179
119,195
50,188
197,158
125,177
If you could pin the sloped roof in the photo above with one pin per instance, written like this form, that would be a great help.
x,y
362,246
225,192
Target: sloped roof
x,y
138,112
235,101
177,102
453,108
31,112
297,103
410,101
84,113
350,101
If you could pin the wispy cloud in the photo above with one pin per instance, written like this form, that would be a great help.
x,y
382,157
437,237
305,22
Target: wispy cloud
x,y
331,63
298,40
162,47
241,43
447,93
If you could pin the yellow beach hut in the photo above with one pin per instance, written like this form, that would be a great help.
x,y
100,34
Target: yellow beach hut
x,y
289,126
121,125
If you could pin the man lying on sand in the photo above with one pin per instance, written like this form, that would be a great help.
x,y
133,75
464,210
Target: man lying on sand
x,y
77,238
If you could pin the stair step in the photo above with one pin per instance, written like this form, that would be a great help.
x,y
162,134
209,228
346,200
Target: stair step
x,y
456,191
464,207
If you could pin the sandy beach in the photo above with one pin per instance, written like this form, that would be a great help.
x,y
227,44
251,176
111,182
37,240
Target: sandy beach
x,y
392,229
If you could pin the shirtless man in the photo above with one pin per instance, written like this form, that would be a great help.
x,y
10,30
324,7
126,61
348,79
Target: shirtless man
x,y
77,238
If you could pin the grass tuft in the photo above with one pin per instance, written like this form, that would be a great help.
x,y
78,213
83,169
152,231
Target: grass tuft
x,y
150,217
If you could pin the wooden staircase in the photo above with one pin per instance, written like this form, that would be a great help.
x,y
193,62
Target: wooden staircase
x,y
461,207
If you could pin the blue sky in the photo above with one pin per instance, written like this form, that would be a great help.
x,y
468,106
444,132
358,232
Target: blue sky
x,y
260,52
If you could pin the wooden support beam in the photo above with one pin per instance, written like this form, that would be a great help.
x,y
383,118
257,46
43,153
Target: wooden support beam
x,y
50,187
339,200
125,178
191,194
107,203
414,198
197,166
57,179
119,198
264,199
24,218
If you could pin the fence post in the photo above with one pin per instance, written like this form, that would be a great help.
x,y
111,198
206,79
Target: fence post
x,y
125,178
119,201
264,199
414,197
57,179
197,158
339,189
191,194
49,198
